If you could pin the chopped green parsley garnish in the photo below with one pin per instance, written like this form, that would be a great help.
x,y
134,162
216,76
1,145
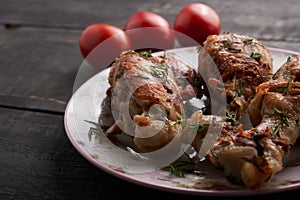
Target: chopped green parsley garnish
x,y
289,58
255,55
146,54
248,41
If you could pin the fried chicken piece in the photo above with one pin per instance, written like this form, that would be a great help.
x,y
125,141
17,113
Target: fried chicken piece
x,y
146,94
243,63
248,157
253,156
277,103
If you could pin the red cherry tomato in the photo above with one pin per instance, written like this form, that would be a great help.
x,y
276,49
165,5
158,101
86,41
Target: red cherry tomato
x,y
100,42
94,34
149,30
197,21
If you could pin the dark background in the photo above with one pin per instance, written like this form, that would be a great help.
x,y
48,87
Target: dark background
x,y
39,59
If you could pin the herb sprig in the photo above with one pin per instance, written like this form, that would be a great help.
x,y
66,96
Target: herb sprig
x,y
274,130
264,77
195,126
231,117
96,129
179,169
283,116
239,87
283,89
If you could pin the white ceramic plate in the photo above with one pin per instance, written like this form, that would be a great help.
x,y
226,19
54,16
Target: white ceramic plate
x,y
85,105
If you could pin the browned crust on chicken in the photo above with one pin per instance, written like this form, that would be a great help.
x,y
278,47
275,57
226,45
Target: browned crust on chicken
x,y
159,80
243,62
247,156
253,156
289,70
277,103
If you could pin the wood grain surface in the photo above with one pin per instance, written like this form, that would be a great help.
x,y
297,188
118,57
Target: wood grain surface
x,y
39,60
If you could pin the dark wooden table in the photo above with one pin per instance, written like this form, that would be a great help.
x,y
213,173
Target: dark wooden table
x,y
39,59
